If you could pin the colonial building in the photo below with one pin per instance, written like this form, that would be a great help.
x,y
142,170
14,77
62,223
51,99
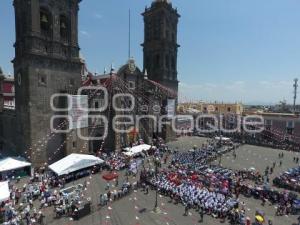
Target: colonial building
x,y
8,92
281,126
211,108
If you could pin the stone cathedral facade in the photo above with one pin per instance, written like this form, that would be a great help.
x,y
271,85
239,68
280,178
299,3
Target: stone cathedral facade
x,y
160,43
47,62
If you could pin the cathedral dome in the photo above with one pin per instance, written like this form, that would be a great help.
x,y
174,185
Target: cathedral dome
x,y
167,1
130,68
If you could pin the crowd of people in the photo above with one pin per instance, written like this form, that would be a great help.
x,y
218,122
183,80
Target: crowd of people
x,y
191,180
28,203
290,179
265,139
188,178
119,192
193,194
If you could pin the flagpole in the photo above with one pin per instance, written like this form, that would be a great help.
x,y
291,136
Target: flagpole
x,y
129,35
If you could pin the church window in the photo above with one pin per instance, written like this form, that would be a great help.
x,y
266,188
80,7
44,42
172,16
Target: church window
x,y
173,63
63,28
167,34
157,59
64,52
167,62
131,85
45,22
173,37
42,80
72,82
147,63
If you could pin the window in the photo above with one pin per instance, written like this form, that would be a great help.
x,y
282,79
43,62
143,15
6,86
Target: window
x,y
64,52
173,63
71,82
290,127
157,59
268,124
131,85
96,105
290,131
167,34
74,144
63,28
167,62
173,37
45,22
290,124
42,80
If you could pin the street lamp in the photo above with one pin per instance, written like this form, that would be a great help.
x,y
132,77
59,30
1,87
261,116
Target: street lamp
x,y
194,152
156,208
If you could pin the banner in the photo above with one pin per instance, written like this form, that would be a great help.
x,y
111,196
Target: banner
x,y
171,108
78,104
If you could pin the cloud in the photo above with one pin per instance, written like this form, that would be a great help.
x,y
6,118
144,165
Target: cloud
x,y
85,33
275,84
256,91
98,16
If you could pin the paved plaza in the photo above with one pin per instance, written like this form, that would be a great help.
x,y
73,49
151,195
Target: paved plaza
x,y
137,207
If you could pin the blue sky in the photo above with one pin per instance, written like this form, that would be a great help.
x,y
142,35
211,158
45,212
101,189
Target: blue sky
x,y
231,50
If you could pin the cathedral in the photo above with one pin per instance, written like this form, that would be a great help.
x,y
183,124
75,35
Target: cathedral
x,y
47,62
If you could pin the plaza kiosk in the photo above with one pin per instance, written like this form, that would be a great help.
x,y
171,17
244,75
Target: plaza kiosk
x,y
74,163
14,167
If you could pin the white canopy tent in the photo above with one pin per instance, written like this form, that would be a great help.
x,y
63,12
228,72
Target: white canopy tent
x,y
127,149
138,149
74,162
9,163
4,191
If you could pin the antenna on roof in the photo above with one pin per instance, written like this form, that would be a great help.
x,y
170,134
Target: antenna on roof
x,y
295,92
112,68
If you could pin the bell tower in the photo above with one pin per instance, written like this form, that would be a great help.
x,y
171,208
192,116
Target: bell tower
x,y
160,43
46,62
